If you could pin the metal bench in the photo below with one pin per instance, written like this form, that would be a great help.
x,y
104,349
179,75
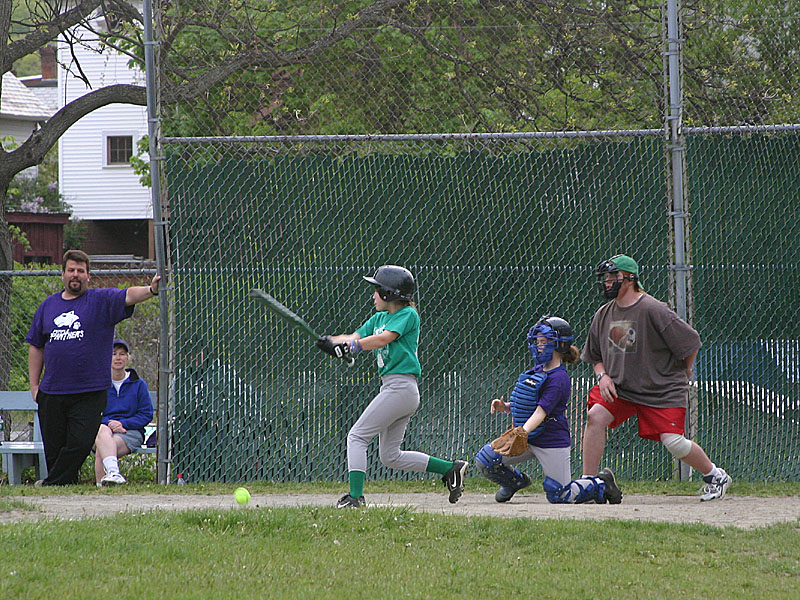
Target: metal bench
x,y
18,456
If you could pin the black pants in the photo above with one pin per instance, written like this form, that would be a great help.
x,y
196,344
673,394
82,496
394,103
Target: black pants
x,y
69,427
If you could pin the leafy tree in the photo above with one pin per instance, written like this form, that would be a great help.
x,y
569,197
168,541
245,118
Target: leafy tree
x,y
740,62
416,67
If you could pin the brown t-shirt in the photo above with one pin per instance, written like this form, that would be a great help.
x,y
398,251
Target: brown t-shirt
x,y
643,348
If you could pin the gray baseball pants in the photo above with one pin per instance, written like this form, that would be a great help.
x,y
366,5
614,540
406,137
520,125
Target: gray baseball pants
x,y
387,417
554,461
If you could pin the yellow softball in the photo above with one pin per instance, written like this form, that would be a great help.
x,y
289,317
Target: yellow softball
x,y
242,496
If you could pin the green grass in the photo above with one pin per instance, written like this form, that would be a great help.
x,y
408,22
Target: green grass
x,y
323,553
8,505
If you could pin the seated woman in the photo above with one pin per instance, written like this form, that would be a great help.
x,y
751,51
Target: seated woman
x,y
128,411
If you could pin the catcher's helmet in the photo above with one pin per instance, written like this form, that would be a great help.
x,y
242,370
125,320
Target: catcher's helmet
x,y
555,329
393,282
615,264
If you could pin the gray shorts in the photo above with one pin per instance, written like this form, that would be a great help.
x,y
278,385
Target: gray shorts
x,y
133,439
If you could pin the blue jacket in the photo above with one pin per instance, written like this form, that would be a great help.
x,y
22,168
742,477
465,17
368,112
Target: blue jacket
x,y
131,406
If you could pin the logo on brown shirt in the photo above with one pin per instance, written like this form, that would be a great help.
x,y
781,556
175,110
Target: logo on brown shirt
x,y
622,335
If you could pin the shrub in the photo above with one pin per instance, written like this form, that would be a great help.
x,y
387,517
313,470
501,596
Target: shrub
x,y
34,194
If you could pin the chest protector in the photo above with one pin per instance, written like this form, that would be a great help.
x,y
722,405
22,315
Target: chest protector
x,y
525,399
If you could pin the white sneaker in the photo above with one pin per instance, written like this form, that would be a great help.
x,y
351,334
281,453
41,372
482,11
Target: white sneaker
x,y
715,487
114,478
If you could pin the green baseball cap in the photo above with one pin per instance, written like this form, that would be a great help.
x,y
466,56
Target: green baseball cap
x,y
625,263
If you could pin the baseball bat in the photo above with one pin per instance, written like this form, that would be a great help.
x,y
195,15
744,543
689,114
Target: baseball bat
x,y
291,318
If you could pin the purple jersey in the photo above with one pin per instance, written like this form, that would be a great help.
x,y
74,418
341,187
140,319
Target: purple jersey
x,y
554,399
77,337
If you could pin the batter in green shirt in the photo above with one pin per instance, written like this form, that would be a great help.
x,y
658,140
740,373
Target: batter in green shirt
x,y
392,334
400,356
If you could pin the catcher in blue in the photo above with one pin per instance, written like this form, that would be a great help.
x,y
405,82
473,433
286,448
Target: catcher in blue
x,y
392,333
538,408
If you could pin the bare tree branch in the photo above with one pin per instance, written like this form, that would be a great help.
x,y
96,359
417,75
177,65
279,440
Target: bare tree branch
x,y
47,32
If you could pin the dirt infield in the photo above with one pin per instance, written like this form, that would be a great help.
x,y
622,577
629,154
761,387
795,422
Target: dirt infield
x,y
745,512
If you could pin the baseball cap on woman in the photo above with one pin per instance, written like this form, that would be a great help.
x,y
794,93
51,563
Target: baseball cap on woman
x,y
123,344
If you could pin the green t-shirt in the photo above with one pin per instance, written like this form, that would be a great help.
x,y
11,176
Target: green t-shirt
x,y
401,355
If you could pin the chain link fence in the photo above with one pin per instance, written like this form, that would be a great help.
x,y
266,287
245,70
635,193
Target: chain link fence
x,y
746,258
557,155
394,66
498,228
498,231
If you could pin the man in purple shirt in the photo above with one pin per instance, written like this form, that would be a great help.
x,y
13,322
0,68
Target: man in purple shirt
x,y
71,339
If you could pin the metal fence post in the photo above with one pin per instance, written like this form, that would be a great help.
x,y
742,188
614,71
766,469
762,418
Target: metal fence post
x,y
159,225
679,212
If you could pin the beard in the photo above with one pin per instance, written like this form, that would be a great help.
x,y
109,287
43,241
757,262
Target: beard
x,y
75,286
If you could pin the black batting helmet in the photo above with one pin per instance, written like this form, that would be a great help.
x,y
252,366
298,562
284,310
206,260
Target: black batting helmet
x,y
393,283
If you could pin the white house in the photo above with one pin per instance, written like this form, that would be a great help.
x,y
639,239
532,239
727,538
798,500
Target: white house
x,y
21,112
95,175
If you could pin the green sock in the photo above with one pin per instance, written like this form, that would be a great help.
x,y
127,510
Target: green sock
x,y
437,465
357,483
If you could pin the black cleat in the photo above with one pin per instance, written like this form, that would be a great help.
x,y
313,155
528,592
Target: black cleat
x,y
454,480
347,501
612,492
504,494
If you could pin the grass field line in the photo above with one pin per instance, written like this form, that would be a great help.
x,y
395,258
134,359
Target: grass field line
x,y
745,512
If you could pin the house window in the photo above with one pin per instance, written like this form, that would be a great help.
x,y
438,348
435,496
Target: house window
x,y
119,149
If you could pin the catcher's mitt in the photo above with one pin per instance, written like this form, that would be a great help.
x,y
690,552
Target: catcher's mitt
x,y
512,443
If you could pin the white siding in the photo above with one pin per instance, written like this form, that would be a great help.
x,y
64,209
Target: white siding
x,y
19,130
94,189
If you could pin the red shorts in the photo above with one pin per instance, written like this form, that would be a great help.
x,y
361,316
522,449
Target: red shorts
x,y
652,421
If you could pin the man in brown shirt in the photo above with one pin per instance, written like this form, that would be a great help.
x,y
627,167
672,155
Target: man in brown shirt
x,y
643,354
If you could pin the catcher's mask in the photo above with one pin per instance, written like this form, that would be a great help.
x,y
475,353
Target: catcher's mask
x,y
559,338
393,283
614,265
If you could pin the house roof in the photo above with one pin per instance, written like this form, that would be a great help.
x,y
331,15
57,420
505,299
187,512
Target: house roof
x,y
18,102
47,95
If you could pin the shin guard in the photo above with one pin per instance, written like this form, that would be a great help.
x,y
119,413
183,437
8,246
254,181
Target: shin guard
x,y
577,491
491,466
